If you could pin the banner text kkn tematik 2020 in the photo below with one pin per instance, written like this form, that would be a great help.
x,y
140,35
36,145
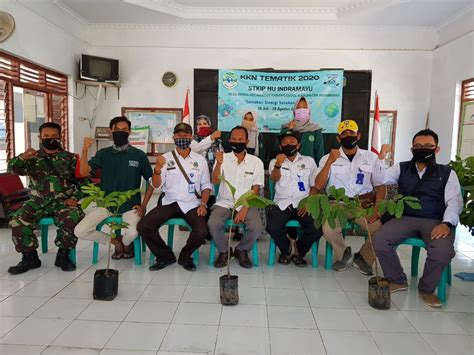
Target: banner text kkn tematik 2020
x,y
273,95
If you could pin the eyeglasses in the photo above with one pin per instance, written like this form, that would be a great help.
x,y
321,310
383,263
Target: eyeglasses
x,y
425,146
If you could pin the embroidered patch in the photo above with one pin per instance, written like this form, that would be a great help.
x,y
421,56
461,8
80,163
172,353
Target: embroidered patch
x,y
133,163
311,138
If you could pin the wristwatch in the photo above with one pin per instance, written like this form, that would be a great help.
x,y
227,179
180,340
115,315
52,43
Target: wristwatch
x,y
450,225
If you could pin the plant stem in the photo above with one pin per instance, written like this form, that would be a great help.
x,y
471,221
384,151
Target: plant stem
x,y
372,247
228,244
108,253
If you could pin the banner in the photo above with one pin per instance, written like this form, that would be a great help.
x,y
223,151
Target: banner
x,y
139,138
272,96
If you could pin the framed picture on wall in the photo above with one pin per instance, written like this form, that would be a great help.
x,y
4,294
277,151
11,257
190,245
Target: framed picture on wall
x,y
388,129
103,133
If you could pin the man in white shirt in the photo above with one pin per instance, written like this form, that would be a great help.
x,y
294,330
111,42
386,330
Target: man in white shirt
x,y
185,195
294,177
359,172
245,172
437,187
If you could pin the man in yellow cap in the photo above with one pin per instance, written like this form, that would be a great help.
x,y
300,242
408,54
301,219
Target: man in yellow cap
x,y
358,171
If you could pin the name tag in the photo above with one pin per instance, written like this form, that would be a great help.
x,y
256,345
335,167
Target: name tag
x,y
248,172
285,168
170,168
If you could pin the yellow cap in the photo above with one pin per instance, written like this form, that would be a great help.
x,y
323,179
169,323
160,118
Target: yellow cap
x,y
347,125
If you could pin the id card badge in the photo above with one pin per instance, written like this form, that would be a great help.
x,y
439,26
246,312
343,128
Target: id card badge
x,y
191,188
301,184
360,178
210,156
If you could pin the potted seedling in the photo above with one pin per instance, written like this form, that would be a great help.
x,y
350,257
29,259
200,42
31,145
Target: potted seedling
x,y
229,284
337,206
464,169
106,280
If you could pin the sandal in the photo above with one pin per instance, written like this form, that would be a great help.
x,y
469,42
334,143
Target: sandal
x,y
118,253
128,252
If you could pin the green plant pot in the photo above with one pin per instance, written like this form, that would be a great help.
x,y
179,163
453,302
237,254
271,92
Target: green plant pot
x,y
105,284
379,293
229,289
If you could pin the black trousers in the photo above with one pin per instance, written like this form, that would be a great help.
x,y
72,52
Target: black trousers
x,y
149,225
276,221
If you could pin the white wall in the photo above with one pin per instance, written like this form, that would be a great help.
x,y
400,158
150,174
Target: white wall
x,y
402,78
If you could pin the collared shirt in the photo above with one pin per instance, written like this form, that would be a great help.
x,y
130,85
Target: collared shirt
x,y
357,177
452,192
242,176
176,187
297,177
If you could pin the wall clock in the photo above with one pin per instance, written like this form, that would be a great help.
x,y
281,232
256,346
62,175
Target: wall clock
x,y
169,79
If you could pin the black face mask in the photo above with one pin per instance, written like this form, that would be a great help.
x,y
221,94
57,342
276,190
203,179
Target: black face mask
x,y
120,138
237,147
349,142
423,155
51,143
289,150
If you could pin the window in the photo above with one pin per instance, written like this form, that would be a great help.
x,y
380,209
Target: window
x,y
466,120
29,95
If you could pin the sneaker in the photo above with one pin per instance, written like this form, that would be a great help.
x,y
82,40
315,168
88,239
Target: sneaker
x,y
397,287
431,299
341,264
360,264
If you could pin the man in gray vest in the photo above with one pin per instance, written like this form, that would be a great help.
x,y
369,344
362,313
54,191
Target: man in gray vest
x,y
437,187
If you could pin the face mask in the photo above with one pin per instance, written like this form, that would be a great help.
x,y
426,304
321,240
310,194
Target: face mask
x,y
204,131
289,150
120,138
248,124
237,147
51,143
423,155
302,114
349,142
182,143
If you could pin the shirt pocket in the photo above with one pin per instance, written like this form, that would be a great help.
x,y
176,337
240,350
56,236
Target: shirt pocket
x,y
367,171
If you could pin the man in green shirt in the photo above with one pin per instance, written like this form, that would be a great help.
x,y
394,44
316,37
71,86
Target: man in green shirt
x,y
122,168
54,193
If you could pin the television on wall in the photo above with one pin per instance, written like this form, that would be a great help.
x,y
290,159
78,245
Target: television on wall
x,y
99,69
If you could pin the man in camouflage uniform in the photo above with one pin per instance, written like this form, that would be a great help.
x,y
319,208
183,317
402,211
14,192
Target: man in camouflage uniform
x,y
55,193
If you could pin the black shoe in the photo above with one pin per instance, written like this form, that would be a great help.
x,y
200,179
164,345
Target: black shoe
x,y
161,264
360,264
63,261
188,265
284,259
221,260
29,261
299,261
243,258
237,237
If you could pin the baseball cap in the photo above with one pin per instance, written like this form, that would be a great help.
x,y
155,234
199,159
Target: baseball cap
x,y
347,125
289,133
183,127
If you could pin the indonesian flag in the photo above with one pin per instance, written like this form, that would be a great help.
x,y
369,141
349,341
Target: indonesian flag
x,y
376,145
186,109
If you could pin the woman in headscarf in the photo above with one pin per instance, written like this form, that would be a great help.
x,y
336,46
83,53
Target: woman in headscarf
x,y
311,134
255,145
205,141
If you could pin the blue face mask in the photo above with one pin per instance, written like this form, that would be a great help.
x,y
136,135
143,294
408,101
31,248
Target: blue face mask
x,y
182,143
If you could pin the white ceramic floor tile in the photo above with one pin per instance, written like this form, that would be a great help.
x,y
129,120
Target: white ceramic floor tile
x,y
202,294
386,321
154,312
165,293
35,331
433,322
244,315
42,288
86,334
138,336
190,338
15,306
130,292
198,313
345,342
78,290
464,320
286,297
251,280
21,349
205,279
328,299
410,301
172,277
61,308
338,319
360,300
8,323
107,311
129,352
290,317
295,341
8,287
397,343
450,344
321,282
242,340
282,281
59,350
458,303
136,276
251,295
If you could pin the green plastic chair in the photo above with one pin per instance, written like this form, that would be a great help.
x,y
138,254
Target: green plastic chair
x,y
44,224
292,223
171,223
136,243
446,278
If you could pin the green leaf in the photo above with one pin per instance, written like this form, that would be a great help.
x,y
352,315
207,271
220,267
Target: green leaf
x,y
391,206
229,185
382,206
332,220
341,215
414,205
399,209
325,205
86,202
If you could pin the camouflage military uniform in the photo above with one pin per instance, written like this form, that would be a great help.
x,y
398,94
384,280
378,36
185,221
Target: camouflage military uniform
x,y
51,184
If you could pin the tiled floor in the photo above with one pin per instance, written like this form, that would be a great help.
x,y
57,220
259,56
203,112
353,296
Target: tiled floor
x,y
282,310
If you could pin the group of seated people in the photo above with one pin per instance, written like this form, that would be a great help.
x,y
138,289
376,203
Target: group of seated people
x,y
187,176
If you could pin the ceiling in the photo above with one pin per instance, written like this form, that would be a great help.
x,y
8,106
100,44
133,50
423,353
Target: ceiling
x,y
366,13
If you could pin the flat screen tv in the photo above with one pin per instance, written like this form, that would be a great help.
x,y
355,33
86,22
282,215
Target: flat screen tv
x,y
99,69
